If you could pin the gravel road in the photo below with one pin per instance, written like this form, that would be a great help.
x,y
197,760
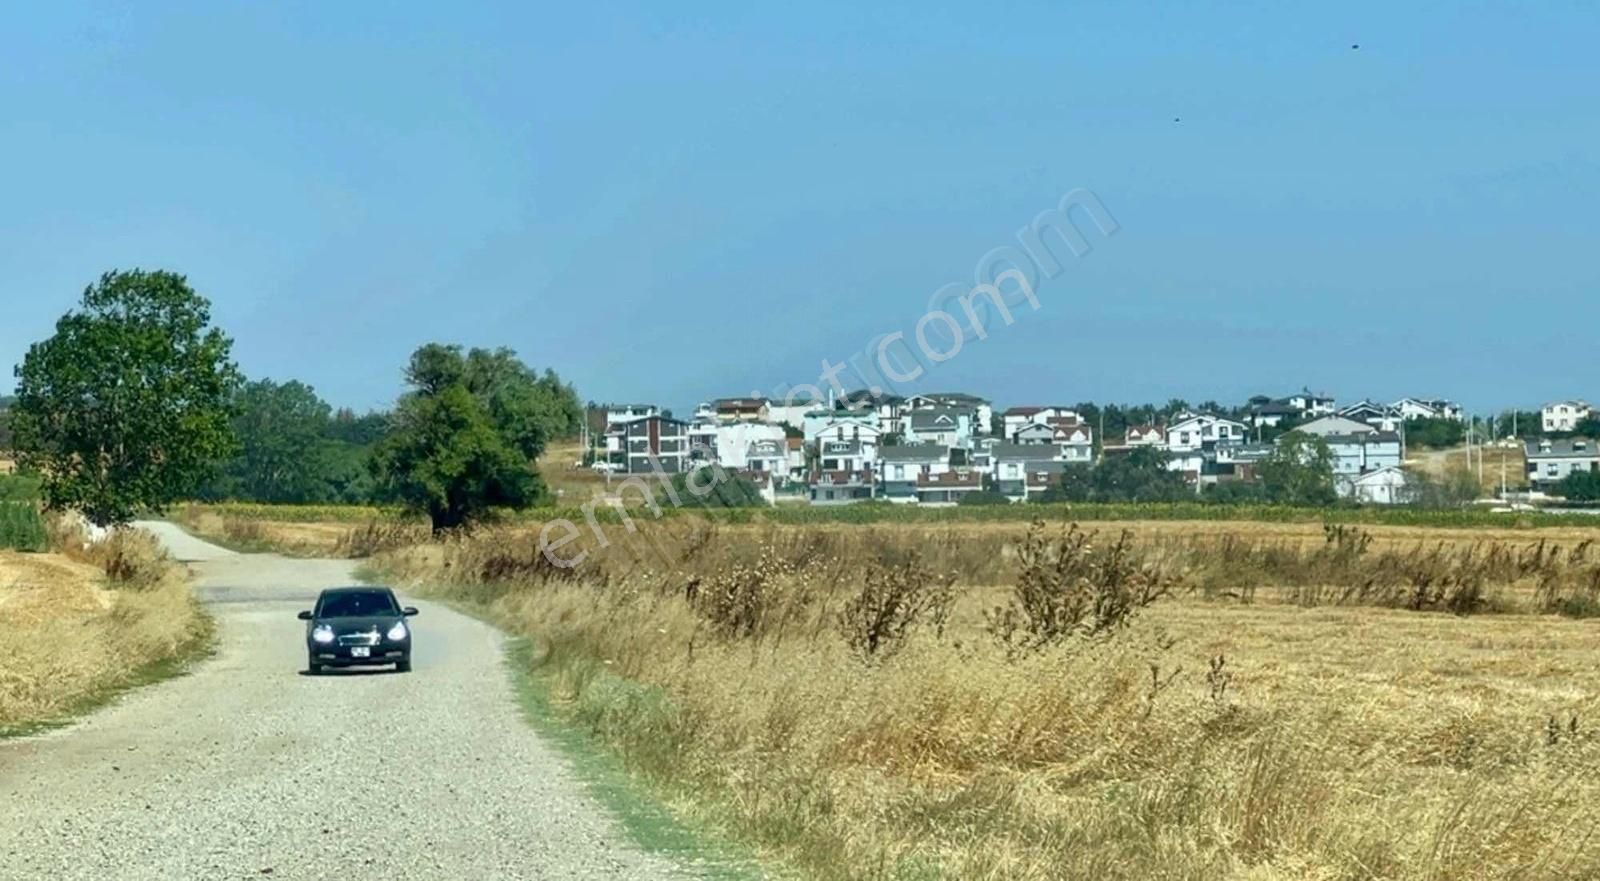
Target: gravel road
x,y
248,768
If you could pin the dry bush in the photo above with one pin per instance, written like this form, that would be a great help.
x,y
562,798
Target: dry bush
x,y
1069,586
895,599
377,536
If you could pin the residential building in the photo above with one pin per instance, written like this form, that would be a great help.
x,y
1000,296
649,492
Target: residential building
x,y
618,413
1273,413
1361,452
1233,461
947,426
1382,417
1024,470
1564,415
741,409
796,458
824,419
1389,485
1202,431
1429,408
844,474
633,444
1075,439
1550,460
1016,418
1311,404
792,415
733,441
980,413
1328,426
902,467
1145,436
940,490
768,456
862,429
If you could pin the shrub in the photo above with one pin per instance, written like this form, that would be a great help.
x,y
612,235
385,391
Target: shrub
x,y
21,527
894,600
1069,587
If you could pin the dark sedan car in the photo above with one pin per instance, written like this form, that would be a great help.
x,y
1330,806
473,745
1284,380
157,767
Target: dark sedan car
x,y
358,627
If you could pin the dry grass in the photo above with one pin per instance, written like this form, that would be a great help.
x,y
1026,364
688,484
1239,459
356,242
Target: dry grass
x,y
1204,737
297,539
77,626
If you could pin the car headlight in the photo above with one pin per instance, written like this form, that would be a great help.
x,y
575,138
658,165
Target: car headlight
x,y
322,633
398,631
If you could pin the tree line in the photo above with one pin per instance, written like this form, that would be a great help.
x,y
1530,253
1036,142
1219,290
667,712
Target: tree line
x,y
135,403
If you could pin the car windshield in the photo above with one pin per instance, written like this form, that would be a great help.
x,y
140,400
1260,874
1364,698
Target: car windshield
x,y
357,604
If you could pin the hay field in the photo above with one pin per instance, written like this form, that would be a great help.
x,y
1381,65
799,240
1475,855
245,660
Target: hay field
x,y
967,701
77,626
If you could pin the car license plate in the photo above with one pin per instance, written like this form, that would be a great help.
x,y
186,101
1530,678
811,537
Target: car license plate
x,y
360,652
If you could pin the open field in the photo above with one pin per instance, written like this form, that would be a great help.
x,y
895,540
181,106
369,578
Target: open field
x,y
895,701
76,627
1499,463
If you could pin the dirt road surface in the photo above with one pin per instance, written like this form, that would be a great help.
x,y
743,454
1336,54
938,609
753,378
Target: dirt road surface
x,y
249,768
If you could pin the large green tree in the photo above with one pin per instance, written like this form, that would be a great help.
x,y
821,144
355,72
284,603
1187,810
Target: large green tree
x,y
127,405
280,429
1299,471
466,437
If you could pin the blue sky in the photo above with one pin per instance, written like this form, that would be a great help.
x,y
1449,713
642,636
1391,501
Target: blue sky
x,y
671,206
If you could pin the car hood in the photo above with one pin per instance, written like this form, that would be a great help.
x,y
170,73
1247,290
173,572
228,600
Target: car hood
x,y
362,624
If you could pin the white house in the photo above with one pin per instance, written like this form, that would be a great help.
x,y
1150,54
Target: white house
x,y
1145,436
1361,452
1382,417
947,426
1016,418
980,413
1075,439
1564,415
845,473
903,466
1200,431
1388,485
818,420
1024,470
768,456
734,439
1429,408
863,431
1311,404
792,415
1551,461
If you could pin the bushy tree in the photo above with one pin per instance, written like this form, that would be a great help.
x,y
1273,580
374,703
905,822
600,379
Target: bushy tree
x,y
466,437
6,402
1435,433
1580,486
279,427
127,405
716,488
1299,471
1140,475
294,450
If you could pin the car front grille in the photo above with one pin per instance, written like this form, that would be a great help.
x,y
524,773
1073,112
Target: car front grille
x,y
370,637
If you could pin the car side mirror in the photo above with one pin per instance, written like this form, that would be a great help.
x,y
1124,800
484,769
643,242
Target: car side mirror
x,y
408,611
305,616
